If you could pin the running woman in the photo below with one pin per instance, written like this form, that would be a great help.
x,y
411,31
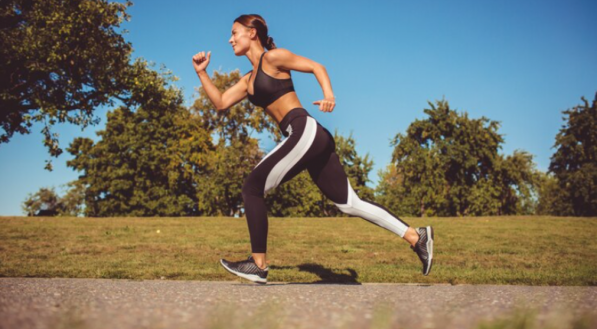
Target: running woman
x,y
307,145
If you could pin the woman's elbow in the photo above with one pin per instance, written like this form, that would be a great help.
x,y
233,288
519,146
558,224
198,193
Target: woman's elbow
x,y
221,106
319,67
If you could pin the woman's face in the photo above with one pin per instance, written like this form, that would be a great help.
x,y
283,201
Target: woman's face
x,y
241,38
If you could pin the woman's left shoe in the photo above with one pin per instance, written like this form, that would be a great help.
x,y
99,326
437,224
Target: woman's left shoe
x,y
246,269
424,247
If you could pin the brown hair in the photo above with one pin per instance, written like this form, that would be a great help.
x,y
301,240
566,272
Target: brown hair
x,y
256,21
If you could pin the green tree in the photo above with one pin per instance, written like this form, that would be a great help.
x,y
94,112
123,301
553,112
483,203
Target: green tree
x,y
508,188
44,202
147,158
448,165
552,199
61,59
574,163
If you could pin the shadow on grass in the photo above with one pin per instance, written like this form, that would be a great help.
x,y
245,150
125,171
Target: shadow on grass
x,y
325,274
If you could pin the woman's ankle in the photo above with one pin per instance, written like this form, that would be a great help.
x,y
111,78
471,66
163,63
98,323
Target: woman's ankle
x,y
260,260
411,236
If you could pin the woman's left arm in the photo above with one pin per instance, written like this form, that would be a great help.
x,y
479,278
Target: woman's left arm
x,y
285,59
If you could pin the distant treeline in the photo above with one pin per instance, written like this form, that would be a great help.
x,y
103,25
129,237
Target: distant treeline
x,y
164,159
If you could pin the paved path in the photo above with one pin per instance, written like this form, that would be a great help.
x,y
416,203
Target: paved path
x,y
105,303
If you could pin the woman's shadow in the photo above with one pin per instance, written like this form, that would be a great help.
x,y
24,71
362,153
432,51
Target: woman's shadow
x,y
326,275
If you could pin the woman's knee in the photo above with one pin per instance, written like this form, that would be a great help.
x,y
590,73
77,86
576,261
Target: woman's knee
x,y
351,206
252,186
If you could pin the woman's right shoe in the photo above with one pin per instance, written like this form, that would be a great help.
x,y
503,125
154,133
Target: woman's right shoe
x,y
246,269
424,247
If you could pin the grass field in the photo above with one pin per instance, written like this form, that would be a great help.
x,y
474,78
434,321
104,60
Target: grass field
x,y
480,250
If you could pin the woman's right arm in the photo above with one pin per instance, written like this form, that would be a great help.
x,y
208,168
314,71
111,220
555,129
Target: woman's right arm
x,y
221,101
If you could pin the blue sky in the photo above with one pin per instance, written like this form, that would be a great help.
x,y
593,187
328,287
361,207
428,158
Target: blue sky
x,y
517,62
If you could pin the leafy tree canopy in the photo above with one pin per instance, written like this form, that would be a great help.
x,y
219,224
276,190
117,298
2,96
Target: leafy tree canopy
x,y
147,158
448,165
574,163
61,59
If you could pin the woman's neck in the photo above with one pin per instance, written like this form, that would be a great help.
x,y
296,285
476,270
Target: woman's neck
x,y
254,54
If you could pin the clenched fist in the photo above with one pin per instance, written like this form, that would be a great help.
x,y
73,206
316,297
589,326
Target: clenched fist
x,y
200,61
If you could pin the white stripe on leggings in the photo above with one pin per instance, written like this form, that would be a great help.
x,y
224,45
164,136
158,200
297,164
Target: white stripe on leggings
x,y
283,166
377,215
289,130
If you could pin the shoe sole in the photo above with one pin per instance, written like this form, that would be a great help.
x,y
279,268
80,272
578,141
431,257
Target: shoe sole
x,y
250,277
429,248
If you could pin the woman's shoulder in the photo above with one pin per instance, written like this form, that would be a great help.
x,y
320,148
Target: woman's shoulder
x,y
276,53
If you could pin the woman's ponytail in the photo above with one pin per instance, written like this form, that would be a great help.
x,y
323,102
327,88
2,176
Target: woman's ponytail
x,y
270,43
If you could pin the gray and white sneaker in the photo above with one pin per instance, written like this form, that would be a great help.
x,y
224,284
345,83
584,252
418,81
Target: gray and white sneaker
x,y
424,247
246,269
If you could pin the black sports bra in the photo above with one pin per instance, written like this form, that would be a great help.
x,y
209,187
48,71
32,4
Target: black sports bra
x,y
267,89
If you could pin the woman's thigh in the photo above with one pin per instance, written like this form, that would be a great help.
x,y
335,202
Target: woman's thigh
x,y
307,141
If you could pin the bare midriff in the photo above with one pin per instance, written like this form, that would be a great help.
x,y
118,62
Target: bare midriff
x,y
278,109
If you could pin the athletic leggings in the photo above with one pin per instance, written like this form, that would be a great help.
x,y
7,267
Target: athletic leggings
x,y
308,146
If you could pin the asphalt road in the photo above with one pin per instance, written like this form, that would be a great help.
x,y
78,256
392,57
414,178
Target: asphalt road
x,y
105,303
